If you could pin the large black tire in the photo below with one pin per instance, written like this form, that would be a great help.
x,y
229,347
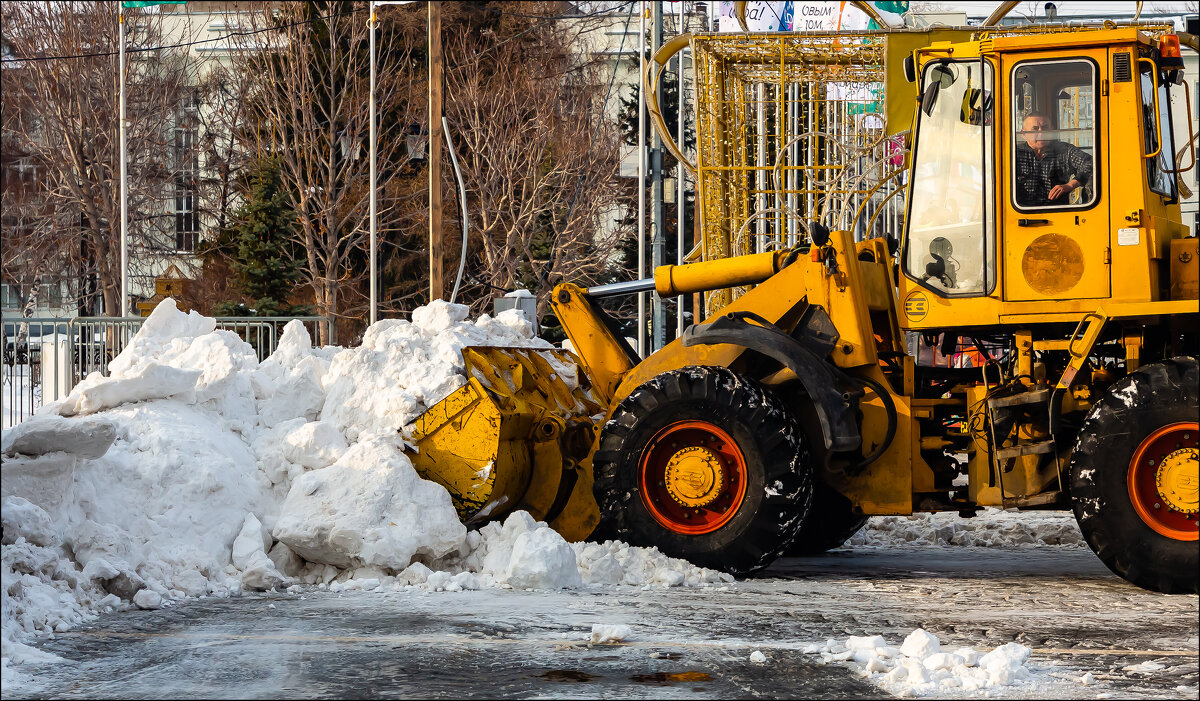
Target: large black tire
x,y
1126,419
774,460
830,522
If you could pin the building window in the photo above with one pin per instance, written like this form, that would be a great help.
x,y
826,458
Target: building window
x,y
187,215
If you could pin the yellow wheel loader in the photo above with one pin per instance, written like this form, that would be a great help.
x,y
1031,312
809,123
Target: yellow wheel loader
x,y
1042,231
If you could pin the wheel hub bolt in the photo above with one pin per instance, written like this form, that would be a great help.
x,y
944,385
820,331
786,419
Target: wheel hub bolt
x,y
1157,505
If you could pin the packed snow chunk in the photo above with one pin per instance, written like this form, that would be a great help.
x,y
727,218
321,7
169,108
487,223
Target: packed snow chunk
x,y
147,599
45,480
301,393
289,383
920,644
259,573
610,633
286,562
24,519
1005,664
865,642
969,655
757,657
150,381
252,539
402,368
440,315
942,660
164,325
368,508
38,435
542,559
416,573
614,562
314,445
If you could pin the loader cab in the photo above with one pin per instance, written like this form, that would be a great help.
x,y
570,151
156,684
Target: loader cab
x,y
1041,165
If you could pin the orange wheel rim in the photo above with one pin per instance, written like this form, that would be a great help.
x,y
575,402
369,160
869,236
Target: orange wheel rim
x,y
692,477
1163,483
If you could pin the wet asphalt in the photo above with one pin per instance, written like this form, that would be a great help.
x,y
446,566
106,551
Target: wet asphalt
x,y
686,643
368,646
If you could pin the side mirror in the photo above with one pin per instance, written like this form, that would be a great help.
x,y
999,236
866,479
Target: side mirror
x,y
818,233
910,69
929,99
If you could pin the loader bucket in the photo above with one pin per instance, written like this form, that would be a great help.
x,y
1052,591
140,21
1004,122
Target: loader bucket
x,y
518,435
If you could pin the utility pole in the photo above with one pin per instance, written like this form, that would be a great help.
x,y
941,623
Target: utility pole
x,y
124,173
658,245
374,183
435,150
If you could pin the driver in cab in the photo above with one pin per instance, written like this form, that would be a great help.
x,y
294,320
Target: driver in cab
x,y
1048,170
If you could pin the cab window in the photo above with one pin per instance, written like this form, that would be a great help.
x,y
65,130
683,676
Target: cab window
x,y
1161,168
949,247
1054,135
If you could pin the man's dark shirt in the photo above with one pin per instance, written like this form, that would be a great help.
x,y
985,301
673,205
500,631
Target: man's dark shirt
x,y
1036,177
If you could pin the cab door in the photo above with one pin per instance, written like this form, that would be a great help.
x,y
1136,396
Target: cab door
x,y
1054,222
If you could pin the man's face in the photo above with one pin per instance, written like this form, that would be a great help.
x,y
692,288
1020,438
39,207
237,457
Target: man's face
x,y
1033,130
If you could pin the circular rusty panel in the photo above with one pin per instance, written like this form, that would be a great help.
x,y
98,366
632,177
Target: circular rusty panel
x,y
1052,264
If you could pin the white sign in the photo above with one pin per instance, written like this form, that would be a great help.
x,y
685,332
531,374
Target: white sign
x,y
1128,237
761,16
792,16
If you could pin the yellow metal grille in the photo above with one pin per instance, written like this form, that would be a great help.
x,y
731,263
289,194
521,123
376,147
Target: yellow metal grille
x,y
790,128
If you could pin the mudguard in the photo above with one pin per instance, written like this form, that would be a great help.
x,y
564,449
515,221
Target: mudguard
x,y
835,401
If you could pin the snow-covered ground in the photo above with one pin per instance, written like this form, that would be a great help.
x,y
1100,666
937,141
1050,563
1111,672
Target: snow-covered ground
x,y
195,471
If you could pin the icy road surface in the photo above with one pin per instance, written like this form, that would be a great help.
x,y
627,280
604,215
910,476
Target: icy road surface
x,y
1093,635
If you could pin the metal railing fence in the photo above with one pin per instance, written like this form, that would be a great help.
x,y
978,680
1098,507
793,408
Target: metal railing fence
x,y
44,357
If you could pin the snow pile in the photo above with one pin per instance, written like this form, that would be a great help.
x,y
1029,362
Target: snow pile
x,y
193,469
402,368
522,553
991,528
920,666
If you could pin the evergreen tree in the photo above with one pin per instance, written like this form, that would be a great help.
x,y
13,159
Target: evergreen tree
x,y
261,249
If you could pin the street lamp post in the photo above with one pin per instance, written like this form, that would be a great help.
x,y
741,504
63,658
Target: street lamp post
x,y
374,224
124,173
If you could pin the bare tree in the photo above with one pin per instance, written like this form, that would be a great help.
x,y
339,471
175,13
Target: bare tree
x,y
60,86
306,98
538,156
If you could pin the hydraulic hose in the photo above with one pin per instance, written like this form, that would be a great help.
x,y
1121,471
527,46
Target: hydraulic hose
x,y
890,407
